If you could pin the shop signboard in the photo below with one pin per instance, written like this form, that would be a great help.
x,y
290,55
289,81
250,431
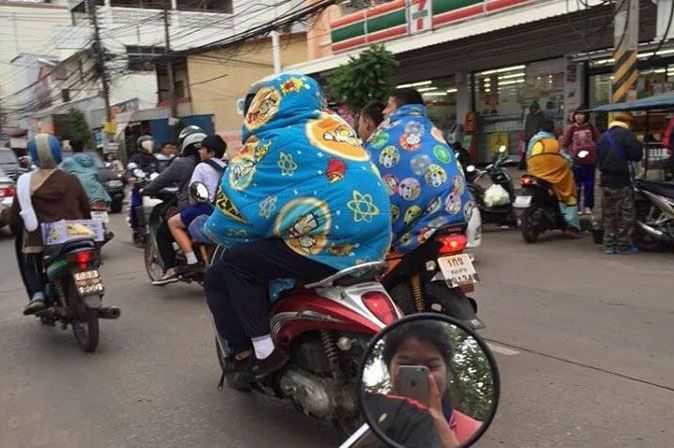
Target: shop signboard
x,y
420,15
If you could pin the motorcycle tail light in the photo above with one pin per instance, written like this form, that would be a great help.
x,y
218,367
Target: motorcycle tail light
x,y
83,258
7,192
381,306
452,244
527,181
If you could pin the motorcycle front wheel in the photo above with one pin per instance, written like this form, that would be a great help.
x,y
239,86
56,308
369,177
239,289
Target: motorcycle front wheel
x,y
152,266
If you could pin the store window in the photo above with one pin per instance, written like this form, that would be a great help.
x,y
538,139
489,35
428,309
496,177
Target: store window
x,y
503,97
440,98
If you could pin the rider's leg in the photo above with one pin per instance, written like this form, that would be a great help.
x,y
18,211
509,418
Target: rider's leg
x,y
179,232
243,275
32,272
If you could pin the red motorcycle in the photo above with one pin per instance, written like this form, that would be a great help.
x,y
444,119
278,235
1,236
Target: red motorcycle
x,y
325,327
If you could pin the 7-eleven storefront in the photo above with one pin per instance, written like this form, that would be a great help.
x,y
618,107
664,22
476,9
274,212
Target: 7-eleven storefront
x,y
480,63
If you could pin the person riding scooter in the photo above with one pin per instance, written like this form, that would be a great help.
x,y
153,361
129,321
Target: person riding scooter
x,y
84,167
301,200
426,184
208,172
47,194
178,175
546,160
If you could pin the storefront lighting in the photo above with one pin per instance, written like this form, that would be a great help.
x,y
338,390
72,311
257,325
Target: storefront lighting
x,y
487,90
434,94
414,84
502,70
427,89
452,90
511,82
514,75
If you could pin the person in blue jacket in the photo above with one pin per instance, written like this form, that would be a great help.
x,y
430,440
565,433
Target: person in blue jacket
x,y
301,200
425,181
84,167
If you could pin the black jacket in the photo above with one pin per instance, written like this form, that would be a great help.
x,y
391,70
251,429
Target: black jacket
x,y
177,174
613,159
146,162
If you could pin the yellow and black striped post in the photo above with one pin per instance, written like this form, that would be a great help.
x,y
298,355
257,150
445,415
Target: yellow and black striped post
x,y
626,35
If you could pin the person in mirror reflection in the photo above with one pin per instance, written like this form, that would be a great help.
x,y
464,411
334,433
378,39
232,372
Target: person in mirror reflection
x,y
425,344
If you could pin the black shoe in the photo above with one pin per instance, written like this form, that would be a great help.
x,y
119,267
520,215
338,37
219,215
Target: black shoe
x,y
272,363
189,270
35,306
233,365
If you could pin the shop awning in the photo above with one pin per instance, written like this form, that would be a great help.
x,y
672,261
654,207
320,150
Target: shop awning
x,y
659,102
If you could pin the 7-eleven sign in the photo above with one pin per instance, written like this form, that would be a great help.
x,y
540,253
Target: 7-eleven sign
x,y
420,15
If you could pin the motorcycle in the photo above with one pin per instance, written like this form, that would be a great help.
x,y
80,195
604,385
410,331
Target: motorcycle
x,y
654,228
139,204
74,291
99,212
325,328
541,212
436,276
495,201
165,207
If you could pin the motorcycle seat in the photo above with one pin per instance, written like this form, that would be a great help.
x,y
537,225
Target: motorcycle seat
x,y
53,252
351,276
660,188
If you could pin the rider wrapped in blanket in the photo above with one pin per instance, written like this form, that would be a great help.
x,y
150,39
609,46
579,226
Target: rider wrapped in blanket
x,y
547,161
301,200
425,182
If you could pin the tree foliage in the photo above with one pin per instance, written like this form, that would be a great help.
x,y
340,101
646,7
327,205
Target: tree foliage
x,y
77,128
365,78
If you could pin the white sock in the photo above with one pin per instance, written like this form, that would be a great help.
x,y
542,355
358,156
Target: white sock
x,y
191,258
264,346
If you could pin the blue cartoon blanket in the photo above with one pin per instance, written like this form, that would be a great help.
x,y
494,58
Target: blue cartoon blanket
x,y
425,181
302,176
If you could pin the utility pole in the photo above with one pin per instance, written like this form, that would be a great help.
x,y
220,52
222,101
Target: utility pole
x,y
626,41
276,51
169,63
100,60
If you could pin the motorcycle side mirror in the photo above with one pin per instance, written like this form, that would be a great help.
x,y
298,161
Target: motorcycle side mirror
x,y
199,192
397,388
583,154
470,169
153,176
131,166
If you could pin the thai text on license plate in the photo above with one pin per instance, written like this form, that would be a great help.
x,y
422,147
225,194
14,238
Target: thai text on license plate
x,y
458,270
101,216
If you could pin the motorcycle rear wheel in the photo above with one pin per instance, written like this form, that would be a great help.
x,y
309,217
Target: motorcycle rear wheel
x,y
152,266
529,227
86,330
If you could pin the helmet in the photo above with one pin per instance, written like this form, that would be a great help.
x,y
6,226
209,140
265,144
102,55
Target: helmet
x,y
45,150
191,129
142,139
192,143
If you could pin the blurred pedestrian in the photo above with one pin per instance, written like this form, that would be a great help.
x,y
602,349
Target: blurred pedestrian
x,y
533,123
581,138
617,148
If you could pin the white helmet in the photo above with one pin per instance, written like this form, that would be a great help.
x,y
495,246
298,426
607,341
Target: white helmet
x,y
191,144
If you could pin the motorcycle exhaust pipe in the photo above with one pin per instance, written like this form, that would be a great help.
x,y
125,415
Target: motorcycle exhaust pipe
x,y
109,312
652,231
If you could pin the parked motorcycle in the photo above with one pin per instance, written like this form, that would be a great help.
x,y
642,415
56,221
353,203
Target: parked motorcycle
x,y
164,208
541,212
654,228
494,201
435,277
395,397
325,328
74,285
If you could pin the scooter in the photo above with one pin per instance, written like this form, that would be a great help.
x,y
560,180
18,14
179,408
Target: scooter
x,y
74,285
325,328
435,277
139,205
541,212
495,201
165,205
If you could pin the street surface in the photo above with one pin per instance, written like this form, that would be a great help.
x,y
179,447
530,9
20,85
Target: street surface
x,y
584,343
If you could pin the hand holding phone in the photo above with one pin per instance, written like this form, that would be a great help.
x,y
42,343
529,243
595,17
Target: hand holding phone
x,y
412,382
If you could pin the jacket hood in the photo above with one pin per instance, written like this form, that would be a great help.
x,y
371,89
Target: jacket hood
x,y
85,160
273,108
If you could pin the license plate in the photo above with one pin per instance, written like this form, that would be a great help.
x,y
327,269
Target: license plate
x,y
458,270
101,216
522,201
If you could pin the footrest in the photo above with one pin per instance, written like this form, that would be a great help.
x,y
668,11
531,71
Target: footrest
x,y
109,312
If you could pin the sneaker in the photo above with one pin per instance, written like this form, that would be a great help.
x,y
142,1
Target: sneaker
x,y
587,211
272,363
170,276
35,305
610,251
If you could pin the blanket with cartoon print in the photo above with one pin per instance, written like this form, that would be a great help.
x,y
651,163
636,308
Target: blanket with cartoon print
x,y
425,181
304,177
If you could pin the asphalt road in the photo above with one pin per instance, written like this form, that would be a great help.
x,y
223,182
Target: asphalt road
x,y
584,343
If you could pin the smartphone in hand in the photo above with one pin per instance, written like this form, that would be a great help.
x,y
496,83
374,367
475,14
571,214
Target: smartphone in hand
x,y
412,382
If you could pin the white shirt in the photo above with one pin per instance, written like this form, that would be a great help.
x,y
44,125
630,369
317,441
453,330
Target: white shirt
x,y
206,174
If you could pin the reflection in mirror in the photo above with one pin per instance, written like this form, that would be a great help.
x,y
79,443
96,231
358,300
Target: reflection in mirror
x,y
153,176
429,383
199,192
139,173
131,166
